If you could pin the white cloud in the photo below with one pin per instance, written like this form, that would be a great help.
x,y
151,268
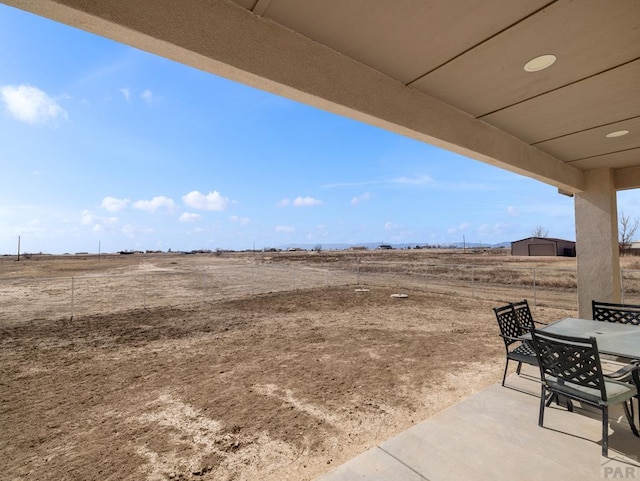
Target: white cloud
x,y
31,105
155,204
493,231
212,201
417,180
187,217
391,226
285,228
561,209
512,211
98,223
306,202
240,220
126,94
131,230
283,203
147,96
461,228
112,204
88,218
361,198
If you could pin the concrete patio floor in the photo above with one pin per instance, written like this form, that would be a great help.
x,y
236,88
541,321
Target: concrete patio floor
x,y
494,436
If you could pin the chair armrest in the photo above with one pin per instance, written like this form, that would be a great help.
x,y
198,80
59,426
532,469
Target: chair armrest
x,y
509,338
541,323
625,373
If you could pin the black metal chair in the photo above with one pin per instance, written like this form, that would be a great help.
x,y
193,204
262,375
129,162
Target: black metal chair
x,y
629,373
570,367
610,312
524,316
511,328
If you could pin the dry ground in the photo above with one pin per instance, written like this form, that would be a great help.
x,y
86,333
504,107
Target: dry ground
x,y
275,386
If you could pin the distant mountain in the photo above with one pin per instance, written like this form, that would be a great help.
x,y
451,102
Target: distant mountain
x,y
406,245
476,245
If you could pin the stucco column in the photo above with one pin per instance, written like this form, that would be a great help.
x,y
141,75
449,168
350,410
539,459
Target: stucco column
x,y
597,241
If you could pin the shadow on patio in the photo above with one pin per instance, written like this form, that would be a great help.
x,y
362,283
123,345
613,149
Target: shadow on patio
x,y
494,435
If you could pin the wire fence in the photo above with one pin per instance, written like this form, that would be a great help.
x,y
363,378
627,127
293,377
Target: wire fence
x,y
549,287
69,297
543,286
29,299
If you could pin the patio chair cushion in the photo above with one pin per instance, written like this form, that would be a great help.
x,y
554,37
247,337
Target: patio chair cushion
x,y
524,353
617,392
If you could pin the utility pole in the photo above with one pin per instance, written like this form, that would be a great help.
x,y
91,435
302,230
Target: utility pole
x,y
18,248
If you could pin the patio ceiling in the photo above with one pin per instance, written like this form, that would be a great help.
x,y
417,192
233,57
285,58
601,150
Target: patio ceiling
x,y
450,73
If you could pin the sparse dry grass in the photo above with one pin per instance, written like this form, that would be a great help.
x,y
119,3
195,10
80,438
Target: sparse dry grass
x,y
271,385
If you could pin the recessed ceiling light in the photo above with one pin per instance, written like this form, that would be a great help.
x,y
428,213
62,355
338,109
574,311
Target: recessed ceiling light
x,y
540,63
617,133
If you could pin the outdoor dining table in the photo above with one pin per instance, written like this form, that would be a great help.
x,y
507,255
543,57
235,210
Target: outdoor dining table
x,y
615,339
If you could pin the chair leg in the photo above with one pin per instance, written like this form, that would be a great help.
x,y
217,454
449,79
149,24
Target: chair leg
x,y
543,394
605,431
569,405
504,375
555,397
519,367
552,397
628,411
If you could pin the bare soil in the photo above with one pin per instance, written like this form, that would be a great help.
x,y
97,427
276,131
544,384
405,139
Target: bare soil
x,y
274,386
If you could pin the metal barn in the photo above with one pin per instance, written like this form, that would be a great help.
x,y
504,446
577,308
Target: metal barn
x,y
543,246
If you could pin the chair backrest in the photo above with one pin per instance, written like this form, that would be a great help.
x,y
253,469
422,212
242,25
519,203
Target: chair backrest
x,y
569,359
610,312
508,323
523,314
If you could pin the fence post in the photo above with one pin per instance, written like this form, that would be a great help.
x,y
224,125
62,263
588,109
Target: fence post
x,y
535,297
358,272
144,292
622,284
72,297
204,285
473,282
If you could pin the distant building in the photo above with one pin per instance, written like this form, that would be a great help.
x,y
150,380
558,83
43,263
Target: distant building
x,y
543,246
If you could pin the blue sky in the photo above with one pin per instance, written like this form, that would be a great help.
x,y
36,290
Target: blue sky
x,y
105,144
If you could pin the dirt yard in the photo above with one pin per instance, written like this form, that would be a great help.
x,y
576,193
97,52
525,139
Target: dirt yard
x,y
272,386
